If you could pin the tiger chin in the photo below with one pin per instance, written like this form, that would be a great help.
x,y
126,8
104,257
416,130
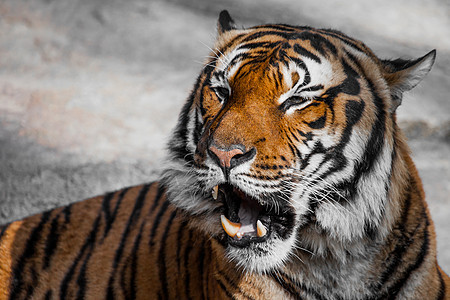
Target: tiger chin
x,y
287,178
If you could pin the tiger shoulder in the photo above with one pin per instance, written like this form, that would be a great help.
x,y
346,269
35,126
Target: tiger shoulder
x,y
287,178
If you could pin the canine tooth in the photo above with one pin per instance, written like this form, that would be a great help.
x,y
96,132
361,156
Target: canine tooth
x,y
215,192
260,229
230,228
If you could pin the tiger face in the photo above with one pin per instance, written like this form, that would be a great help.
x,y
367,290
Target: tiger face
x,y
285,143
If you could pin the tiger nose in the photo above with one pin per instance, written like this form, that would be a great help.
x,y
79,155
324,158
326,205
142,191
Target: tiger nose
x,y
230,158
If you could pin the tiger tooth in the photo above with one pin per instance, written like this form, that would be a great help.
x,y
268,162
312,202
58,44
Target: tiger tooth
x,y
260,229
215,192
230,228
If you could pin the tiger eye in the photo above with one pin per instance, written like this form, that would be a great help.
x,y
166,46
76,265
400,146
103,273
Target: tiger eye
x,y
222,92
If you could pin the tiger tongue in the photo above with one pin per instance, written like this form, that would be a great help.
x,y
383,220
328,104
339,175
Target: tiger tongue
x,y
248,216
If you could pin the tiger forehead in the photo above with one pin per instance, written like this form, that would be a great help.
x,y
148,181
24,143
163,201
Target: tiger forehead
x,y
281,43
280,64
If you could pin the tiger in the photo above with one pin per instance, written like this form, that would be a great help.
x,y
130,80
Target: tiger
x,y
287,177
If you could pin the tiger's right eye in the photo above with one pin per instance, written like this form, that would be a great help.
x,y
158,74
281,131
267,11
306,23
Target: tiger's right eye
x,y
222,92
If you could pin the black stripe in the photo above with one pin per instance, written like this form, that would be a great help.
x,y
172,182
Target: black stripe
x,y
51,242
106,211
309,136
295,151
48,295
197,127
424,249
134,216
351,85
375,143
178,143
232,283
134,259
29,251
441,294
406,205
159,295
224,289
227,280
302,51
67,213
252,64
286,286
260,34
293,135
201,262
354,111
293,287
254,45
301,64
29,287
318,147
230,43
395,258
187,251
318,123
91,241
162,256
283,27
180,232
317,41
156,222
110,218
4,228
276,79
88,243
238,58
312,88
125,282
207,83
54,234
205,275
347,40
159,194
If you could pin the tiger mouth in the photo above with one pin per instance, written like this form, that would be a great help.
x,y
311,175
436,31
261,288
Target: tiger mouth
x,y
245,220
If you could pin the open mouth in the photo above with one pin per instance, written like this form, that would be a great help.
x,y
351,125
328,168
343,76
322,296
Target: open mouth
x,y
246,220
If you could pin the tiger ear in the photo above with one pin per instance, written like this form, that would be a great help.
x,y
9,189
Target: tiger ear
x,y
225,22
402,75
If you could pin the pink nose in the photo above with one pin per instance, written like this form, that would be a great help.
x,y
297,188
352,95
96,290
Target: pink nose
x,y
225,156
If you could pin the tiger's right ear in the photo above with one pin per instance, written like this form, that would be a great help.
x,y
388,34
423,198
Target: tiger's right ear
x,y
225,22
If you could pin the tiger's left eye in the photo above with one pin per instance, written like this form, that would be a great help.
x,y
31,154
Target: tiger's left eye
x,y
221,92
295,101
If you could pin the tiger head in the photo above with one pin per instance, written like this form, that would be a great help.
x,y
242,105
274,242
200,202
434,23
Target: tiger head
x,y
287,141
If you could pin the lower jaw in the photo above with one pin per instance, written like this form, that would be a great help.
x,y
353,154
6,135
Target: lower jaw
x,y
245,242
262,257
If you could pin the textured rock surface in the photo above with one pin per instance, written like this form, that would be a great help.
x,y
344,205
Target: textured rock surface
x,y
89,90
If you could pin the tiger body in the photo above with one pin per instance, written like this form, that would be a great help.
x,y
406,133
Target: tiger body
x,y
125,245
287,178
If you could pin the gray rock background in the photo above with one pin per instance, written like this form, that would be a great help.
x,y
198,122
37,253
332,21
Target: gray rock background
x,y
89,90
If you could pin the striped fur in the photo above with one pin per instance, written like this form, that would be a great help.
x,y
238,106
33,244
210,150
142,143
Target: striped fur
x,y
129,244
321,163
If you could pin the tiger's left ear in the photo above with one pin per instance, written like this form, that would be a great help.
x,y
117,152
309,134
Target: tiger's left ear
x,y
225,22
402,75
